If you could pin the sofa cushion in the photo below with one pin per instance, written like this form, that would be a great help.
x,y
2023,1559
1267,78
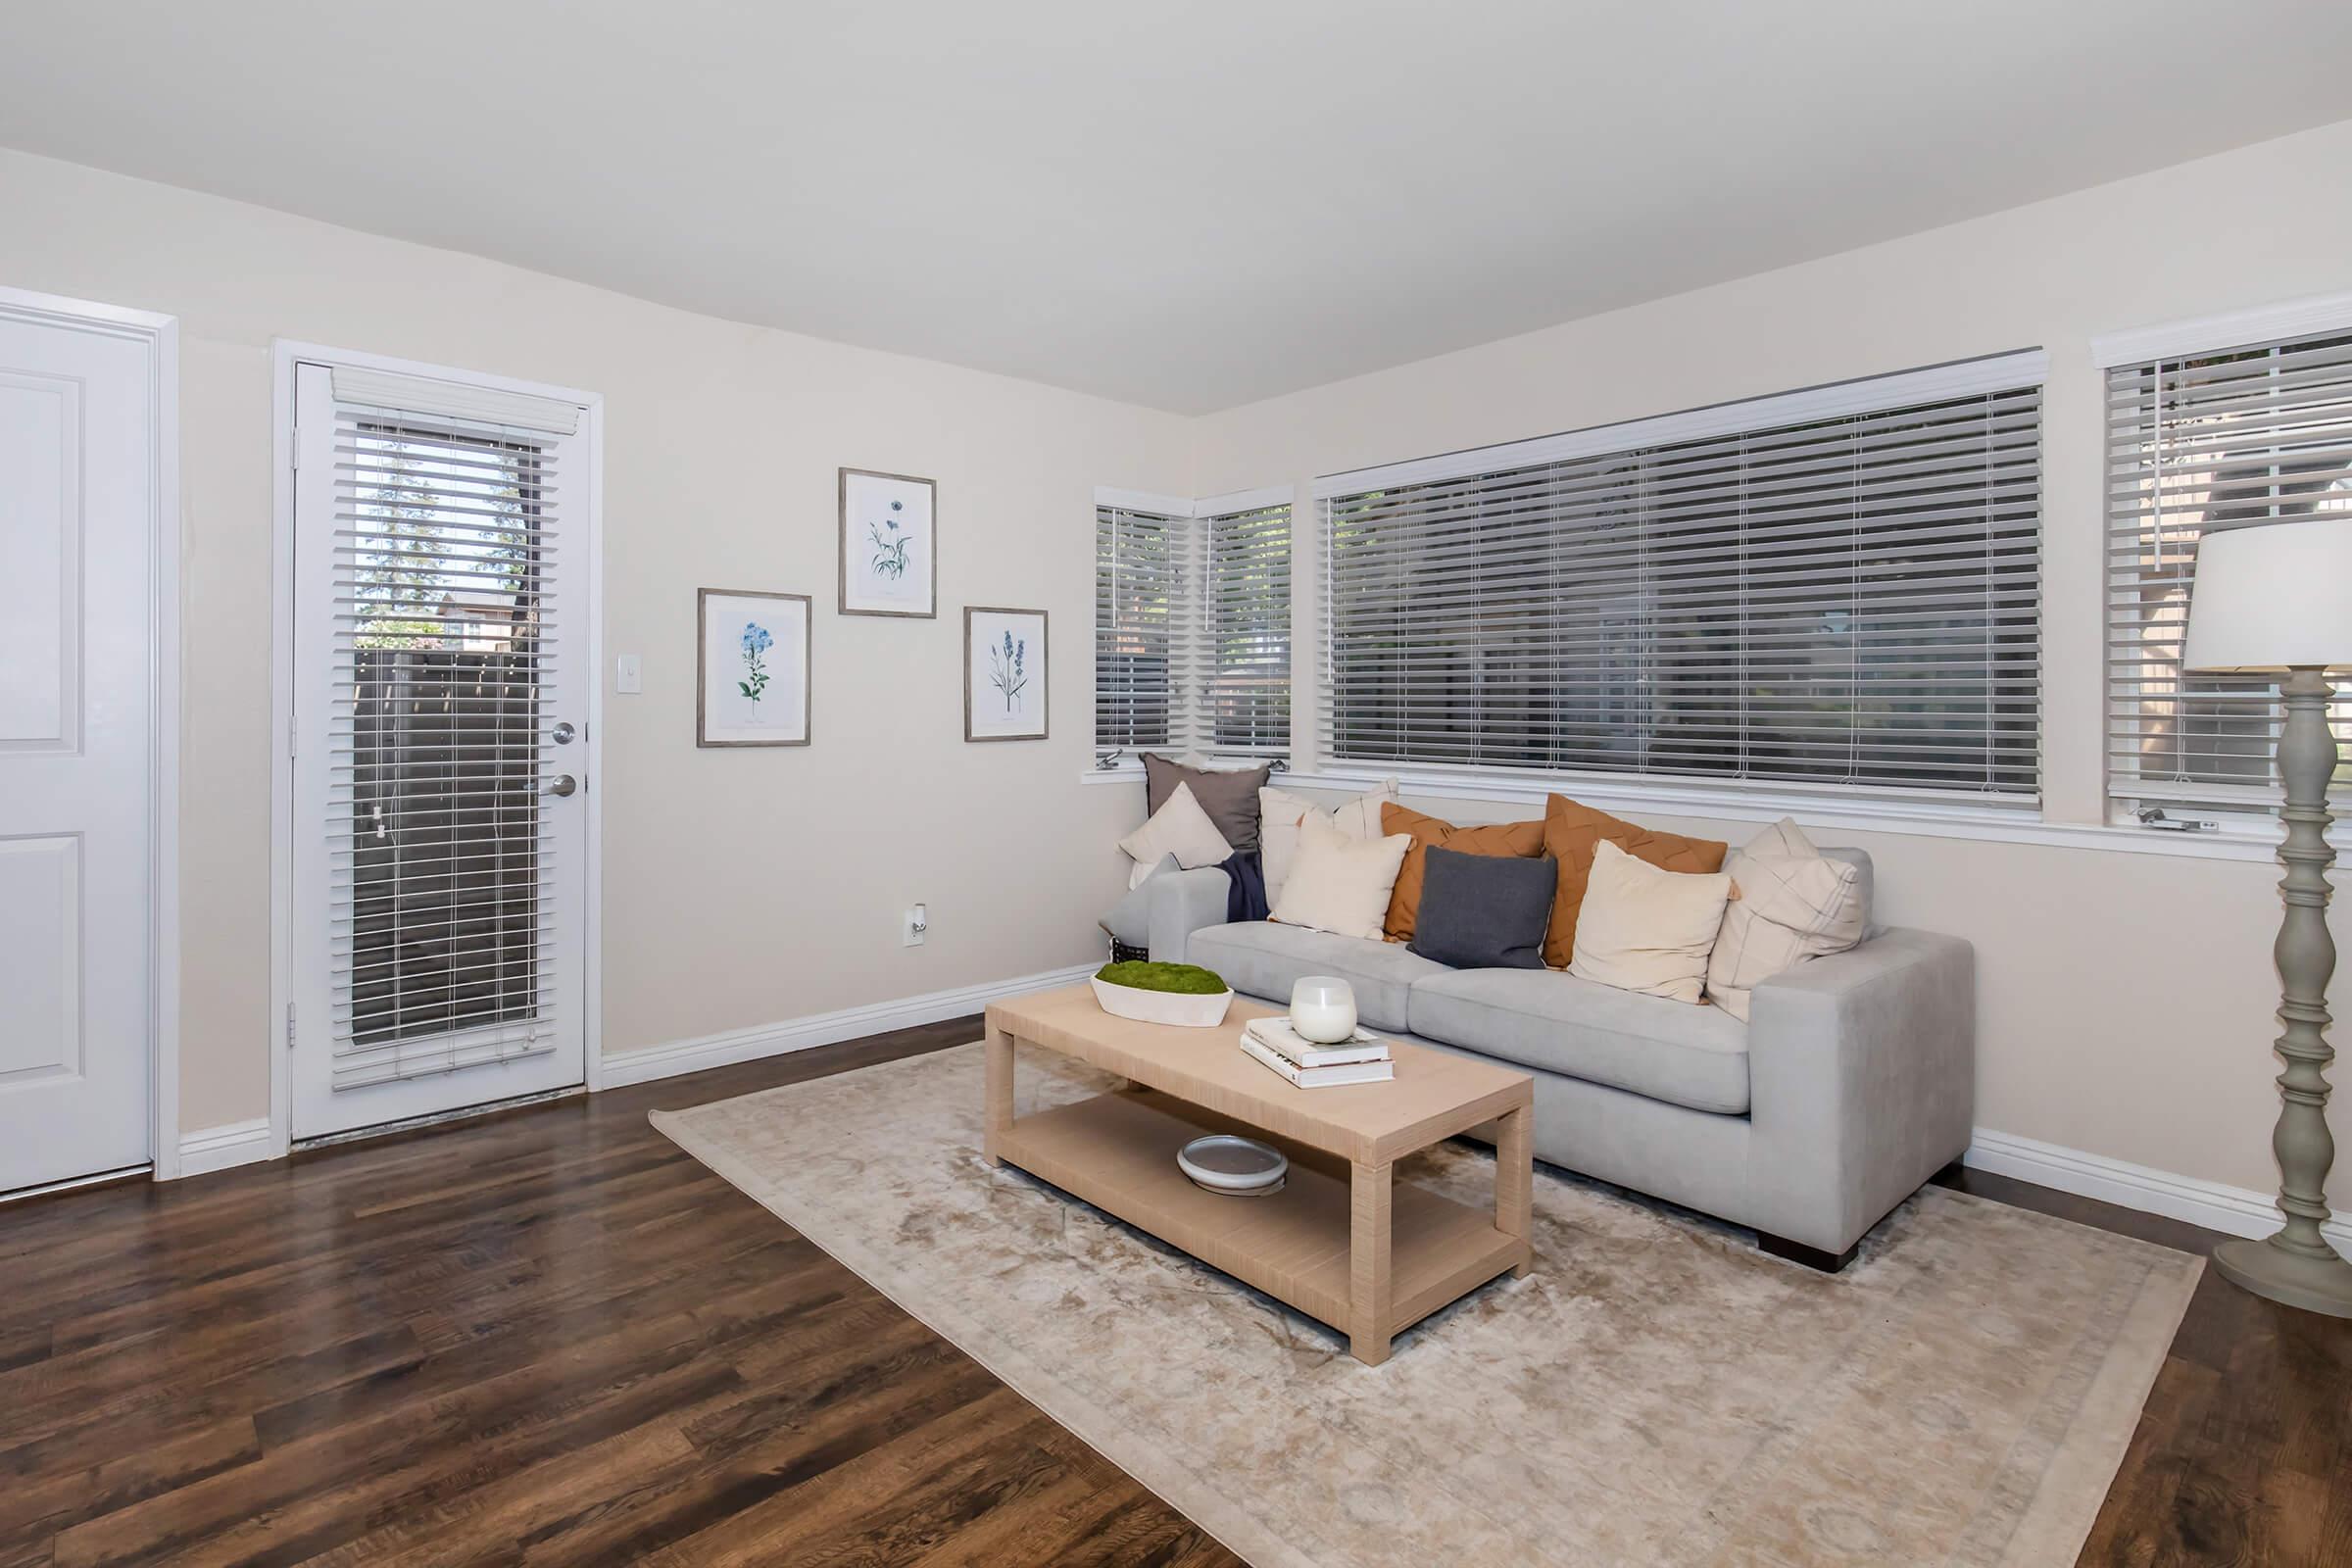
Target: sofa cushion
x,y
1670,1050
1519,840
1228,795
1571,829
1263,959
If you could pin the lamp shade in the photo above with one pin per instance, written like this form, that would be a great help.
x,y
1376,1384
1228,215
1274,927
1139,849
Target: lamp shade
x,y
2273,597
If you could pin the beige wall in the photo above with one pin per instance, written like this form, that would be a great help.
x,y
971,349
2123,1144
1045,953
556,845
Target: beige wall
x,y
741,888
2126,999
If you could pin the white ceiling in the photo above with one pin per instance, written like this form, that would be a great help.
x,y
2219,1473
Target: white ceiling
x,y
1186,205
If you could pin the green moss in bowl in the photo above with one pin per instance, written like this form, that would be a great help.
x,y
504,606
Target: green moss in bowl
x,y
1185,979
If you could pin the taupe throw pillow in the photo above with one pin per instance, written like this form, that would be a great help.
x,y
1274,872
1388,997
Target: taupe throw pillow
x,y
1229,794
1792,904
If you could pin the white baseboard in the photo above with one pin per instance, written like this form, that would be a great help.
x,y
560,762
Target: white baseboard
x,y
822,1028
2232,1210
212,1148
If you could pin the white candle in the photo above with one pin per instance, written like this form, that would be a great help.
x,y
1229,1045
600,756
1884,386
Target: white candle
x,y
1323,1010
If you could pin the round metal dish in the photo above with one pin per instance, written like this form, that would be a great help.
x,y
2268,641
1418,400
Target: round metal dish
x,y
1242,1167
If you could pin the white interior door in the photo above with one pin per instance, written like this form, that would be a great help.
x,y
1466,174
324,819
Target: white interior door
x,y
77,471
441,600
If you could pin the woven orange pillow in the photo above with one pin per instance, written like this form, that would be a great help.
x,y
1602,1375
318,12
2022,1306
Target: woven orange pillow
x,y
1571,830
1522,839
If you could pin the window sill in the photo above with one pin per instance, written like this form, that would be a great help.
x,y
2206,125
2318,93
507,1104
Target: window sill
x,y
1913,819
1122,774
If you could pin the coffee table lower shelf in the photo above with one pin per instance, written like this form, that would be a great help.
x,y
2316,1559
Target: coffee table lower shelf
x,y
1119,1152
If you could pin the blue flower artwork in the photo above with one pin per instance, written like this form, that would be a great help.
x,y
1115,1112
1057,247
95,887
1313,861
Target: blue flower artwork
x,y
757,641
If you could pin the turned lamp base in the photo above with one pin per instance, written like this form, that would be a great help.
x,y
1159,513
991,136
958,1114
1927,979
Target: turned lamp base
x,y
2295,1279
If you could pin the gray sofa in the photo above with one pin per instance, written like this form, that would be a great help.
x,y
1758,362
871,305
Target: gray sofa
x,y
1851,1084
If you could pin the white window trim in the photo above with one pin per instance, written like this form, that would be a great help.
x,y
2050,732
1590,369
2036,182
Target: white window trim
x,y
1279,495
1996,372
2205,334
1910,819
2181,339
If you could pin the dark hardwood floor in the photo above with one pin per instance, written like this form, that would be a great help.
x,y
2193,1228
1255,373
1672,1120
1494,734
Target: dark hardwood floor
x,y
550,1337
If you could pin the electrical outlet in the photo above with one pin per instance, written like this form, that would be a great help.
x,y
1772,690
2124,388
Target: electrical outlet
x,y
913,926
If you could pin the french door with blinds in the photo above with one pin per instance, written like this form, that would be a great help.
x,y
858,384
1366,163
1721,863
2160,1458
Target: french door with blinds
x,y
441,594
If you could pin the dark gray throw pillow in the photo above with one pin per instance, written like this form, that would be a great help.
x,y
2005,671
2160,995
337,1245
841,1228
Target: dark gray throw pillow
x,y
1229,794
1484,911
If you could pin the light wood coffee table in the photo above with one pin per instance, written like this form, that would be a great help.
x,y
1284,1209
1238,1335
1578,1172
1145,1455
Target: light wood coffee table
x,y
1340,1241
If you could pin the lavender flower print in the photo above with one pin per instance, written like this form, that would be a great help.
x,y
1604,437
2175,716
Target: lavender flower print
x,y
757,641
890,547
1009,669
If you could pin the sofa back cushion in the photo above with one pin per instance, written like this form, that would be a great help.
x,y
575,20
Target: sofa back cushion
x,y
1521,840
1570,832
1229,794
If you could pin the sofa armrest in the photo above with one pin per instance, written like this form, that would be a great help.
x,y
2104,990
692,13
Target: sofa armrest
x,y
1183,903
1862,1080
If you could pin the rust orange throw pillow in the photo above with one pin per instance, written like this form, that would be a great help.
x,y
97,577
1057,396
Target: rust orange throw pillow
x,y
1522,839
1571,830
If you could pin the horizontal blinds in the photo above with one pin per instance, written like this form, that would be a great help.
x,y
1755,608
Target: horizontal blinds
x,y
1849,600
1143,616
2233,438
1247,590
1193,630
440,863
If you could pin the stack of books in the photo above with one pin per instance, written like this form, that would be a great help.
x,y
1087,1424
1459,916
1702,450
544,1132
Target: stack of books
x,y
1274,1043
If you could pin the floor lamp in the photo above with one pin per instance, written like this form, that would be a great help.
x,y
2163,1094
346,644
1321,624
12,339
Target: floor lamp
x,y
2277,600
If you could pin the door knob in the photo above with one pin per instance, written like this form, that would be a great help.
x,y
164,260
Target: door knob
x,y
562,733
562,784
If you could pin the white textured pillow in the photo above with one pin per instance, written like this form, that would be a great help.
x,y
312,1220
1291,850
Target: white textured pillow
x,y
1341,883
1180,827
1795,903
1279,812
1648,930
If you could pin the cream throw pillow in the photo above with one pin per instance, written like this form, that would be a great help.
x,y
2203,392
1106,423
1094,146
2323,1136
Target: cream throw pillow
x,y
1793,904
1279,812
1648,930
1180,827
1338,882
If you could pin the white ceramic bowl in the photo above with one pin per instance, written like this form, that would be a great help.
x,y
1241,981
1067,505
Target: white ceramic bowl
x,y
1243,1166
1162,1006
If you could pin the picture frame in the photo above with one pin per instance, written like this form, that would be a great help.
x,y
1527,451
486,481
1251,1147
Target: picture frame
x,y
751,668
888,545
1004,690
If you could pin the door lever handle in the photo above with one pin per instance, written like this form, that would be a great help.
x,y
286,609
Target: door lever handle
x,y
562,784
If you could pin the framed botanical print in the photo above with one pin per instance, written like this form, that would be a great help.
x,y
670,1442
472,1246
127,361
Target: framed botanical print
x,y
888,545
752,679
1003,675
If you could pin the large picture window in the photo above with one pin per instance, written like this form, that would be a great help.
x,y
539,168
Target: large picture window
x,y
2230,438
1192,626
1834,590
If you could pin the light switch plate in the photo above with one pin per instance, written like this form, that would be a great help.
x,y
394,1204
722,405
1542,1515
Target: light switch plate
x,y
628,674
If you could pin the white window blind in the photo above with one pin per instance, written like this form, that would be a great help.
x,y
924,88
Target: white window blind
x,y
444,631
1192,627
2206,441
1247,662
1143,617
1829,590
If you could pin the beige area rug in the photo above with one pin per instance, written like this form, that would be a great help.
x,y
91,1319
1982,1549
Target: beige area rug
x,y
1655,1392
